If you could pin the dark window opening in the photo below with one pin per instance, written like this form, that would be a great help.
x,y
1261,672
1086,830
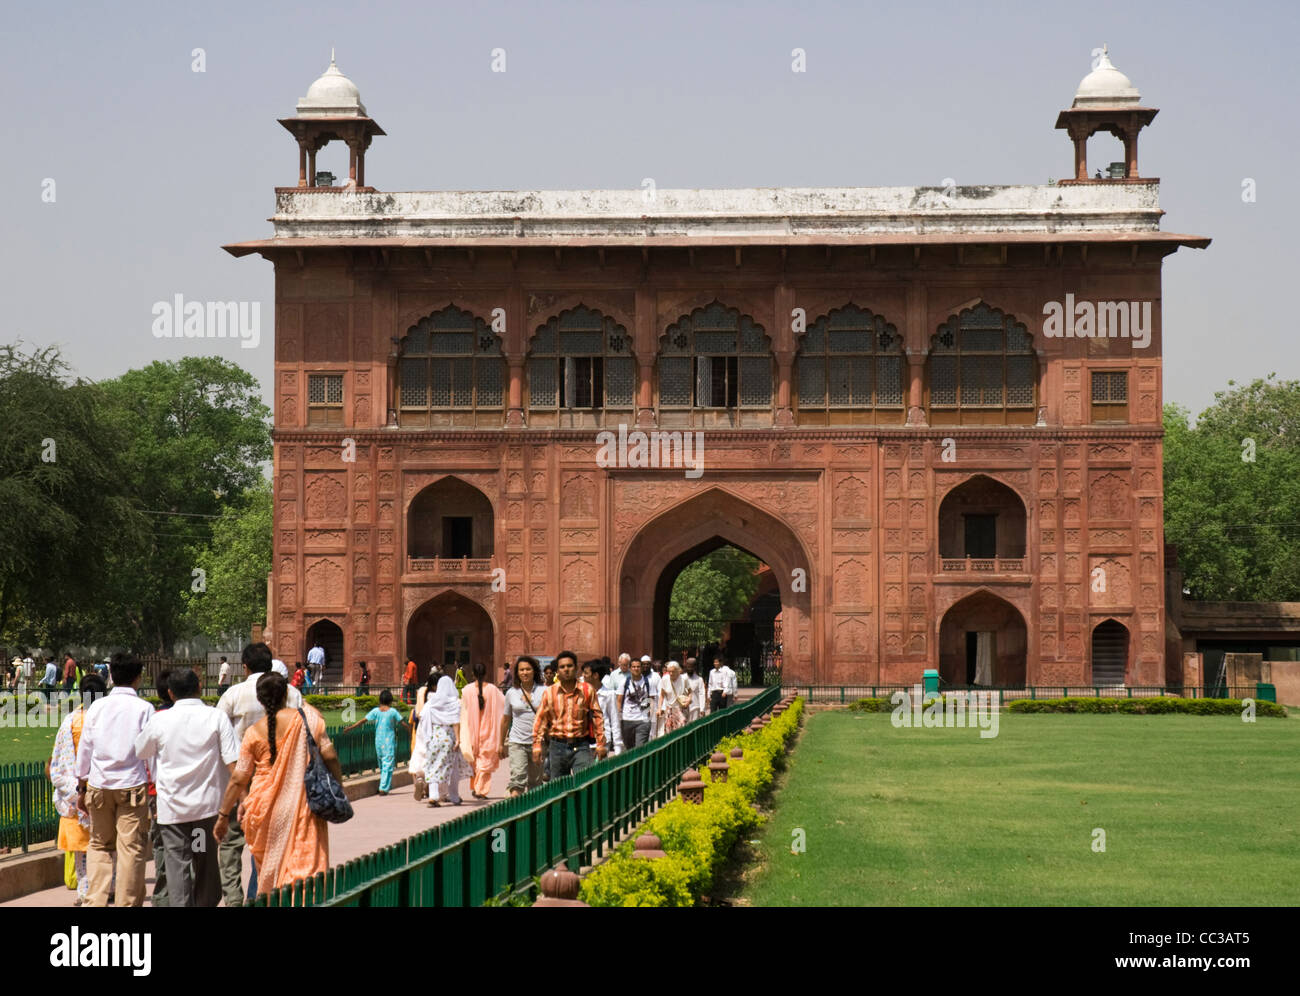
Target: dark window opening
x,y
457,536
981,536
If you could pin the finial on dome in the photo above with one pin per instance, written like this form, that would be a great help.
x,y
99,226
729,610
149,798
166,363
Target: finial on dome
x,y
332,57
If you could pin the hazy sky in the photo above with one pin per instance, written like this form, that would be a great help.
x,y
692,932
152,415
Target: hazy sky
x,y
156,166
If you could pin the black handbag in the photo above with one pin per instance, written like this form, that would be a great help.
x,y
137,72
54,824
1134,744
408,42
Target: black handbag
x,y
325,796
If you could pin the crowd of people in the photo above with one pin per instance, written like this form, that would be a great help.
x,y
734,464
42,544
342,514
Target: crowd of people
x,y
203,783
40,674
543,721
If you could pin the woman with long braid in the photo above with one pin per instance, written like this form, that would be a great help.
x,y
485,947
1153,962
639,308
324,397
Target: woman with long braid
x,y
288,840
480,724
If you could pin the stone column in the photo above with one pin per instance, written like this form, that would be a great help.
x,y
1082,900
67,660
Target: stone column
x,y
916,388
784,347
302,164
1080,154
515,401
784,413
646,340
1131,151
515,347
311,167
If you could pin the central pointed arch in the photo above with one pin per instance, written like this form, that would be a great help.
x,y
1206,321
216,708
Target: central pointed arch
x,y
687,531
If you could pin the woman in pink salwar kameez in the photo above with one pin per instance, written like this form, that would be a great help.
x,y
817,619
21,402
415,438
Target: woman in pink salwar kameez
x,y
481,705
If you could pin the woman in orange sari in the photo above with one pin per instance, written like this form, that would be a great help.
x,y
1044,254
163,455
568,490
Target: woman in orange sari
x,y
481,705
288,840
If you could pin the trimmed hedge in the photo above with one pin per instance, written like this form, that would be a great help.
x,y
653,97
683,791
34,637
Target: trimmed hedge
x,y
696,838
1152,706
871,705
362,703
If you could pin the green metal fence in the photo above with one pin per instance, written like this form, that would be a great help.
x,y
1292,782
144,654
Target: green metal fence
x,y
501,847
356,749
851,693
27,813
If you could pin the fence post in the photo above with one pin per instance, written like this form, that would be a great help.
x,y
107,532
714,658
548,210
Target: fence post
x,y
25,805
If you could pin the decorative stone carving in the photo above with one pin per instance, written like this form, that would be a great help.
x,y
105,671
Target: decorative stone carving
x,y
578,498
325,581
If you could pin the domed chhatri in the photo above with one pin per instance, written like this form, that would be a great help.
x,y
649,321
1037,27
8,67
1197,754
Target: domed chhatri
x,y
333,95
1106,101
332,111
1106,86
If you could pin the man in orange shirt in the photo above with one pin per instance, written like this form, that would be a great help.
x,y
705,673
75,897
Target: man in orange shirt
x,y
571,718
409,679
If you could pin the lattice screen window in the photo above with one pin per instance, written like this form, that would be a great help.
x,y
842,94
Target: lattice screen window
x,y
324,399
715,358
451,359
581,359
982,361
1110,395
851,359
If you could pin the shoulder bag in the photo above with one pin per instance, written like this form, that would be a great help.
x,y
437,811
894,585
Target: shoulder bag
x,y
325,796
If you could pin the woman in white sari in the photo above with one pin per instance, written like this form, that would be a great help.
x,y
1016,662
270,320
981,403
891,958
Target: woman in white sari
x,y
439,737
419,757
673,692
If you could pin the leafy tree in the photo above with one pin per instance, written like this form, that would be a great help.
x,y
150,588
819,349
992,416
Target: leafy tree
x,y
235,565
63,495
718,586
196,432
1232,493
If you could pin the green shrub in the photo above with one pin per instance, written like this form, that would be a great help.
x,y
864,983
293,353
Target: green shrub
x,y
696,838
362,703
1147,706
871,705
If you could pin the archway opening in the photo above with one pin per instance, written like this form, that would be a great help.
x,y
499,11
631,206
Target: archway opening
x,y
662,547
450,520
326,634
717,598
449,628
982,519
983,642
1110,641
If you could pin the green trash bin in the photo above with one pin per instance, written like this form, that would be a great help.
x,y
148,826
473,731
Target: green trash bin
x,y
1265,692
931,678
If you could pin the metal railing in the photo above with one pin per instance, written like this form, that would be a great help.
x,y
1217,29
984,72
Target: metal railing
x,y
501,847
851,693
27,813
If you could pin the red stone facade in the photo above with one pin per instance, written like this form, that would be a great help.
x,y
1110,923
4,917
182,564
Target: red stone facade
x,y
567,553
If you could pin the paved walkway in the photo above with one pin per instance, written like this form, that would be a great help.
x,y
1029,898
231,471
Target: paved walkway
x,y
379,821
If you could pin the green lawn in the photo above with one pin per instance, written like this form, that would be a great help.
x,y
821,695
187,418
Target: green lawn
x,y
1196,810
36,744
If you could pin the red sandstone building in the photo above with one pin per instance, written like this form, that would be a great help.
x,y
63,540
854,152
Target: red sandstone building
x,y
903,405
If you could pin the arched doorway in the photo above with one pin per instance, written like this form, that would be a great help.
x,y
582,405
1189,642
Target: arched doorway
x,y
449,627
327,633
1110,641
717,598
981,519
983,641
698,526
450,520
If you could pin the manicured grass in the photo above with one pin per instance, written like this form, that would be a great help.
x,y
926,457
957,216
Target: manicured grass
x,y
36,744
1197,810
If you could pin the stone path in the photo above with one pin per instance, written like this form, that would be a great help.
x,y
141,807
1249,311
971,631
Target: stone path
x,y
379,821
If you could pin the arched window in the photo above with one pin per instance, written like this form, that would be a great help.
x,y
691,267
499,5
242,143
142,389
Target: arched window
x,y
982,370
716,358
451,371
850,370
580,360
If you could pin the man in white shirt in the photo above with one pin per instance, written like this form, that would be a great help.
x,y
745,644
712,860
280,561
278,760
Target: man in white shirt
x,y
614,680
243,710
656,713
223,677
196,750
316,661
112,787
729,689
635,704
695,686
717,685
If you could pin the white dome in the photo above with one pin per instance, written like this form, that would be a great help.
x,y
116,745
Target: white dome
x,y
333,95
1105,86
